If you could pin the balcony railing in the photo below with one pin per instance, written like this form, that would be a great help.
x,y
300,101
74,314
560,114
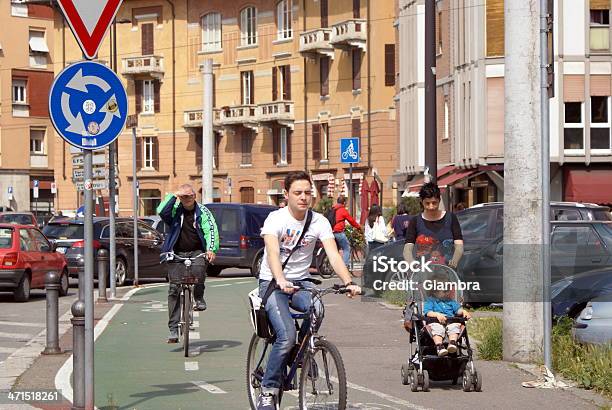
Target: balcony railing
x,y
246,115
193,118
317,42
350,33
153,65
279,111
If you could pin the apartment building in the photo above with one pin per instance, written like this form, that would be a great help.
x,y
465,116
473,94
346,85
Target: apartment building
x,y
473,33
291,78
26,137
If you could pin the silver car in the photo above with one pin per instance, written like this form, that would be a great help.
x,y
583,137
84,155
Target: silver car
x,y
594,324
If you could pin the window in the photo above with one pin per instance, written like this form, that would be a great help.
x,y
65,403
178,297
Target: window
x,y
247,87
389,65
247,147
599,33
216,153
211,32
573,133
281,80
19,92
439,31
248,26
600,124
247,195
19,8
283,19
324,71
38,49
325,141
37,141
474,225
324,14
356,8
356,69
446,120
149,142
284,142
147,44
148,97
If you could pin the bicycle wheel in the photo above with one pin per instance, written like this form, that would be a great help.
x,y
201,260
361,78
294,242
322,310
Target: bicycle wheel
x,y
187,305
181,324
323,379
257,361
324,267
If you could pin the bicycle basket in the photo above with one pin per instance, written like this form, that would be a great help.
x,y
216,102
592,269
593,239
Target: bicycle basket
x,y
178,273
258,316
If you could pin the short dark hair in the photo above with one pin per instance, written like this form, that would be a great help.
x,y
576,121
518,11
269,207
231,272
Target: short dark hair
x,y
341,200
296,176
402,208
429,190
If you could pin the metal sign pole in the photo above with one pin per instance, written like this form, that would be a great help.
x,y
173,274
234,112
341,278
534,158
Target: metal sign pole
x,y
88,282
351,202
135,200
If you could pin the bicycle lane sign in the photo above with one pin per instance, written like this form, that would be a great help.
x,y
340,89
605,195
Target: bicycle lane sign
x,y
349,150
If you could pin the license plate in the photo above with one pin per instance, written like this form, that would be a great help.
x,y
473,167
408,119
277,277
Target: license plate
x,y
61,249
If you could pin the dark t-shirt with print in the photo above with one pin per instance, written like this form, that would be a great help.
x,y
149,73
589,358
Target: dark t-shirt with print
x,y
434,240
188,240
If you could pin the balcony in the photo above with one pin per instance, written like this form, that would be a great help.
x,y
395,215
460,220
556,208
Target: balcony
x,y
151,65
277,111
193,118
349,33
245,115
317,41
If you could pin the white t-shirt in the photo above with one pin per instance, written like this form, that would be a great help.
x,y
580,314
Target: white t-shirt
x,y
288,230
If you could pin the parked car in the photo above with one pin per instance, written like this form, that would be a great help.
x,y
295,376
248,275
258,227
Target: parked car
x,y
68,236
594,323
156,223
25,258
21,218
571,294
240,241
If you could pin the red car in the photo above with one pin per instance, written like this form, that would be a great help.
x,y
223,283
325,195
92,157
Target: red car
x,y
25,258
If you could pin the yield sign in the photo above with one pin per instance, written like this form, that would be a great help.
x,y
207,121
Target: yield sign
x,y
89,21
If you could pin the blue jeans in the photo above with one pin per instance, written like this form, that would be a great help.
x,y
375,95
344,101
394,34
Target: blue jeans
x,y
345,245
279,315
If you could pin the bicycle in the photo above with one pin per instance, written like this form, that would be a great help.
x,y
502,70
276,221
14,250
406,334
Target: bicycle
x,y
312,355
187,281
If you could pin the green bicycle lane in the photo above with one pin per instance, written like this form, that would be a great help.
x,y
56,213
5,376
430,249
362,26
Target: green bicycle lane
x,y
136,369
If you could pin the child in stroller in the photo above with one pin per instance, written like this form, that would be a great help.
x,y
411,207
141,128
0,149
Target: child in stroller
x,y
431,313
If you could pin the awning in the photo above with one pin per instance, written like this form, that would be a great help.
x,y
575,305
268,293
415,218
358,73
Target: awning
x,y
588,185
416,185
38,44
452,178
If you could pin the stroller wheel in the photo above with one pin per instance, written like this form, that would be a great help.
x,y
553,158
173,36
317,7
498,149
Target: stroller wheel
x,y
425,380
405,374
467,380
414,380
477,382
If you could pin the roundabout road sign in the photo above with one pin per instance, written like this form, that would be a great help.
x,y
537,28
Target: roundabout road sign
x,y
88,105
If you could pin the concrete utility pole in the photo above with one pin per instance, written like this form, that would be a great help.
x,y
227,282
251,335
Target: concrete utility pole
x,y
431,137
207,132
522,184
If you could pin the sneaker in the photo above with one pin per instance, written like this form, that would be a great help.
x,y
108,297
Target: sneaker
x,y
442,351
200,306
173,338
266,401
452,347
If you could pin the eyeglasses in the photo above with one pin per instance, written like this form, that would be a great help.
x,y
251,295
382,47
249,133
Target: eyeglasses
x,y
186,196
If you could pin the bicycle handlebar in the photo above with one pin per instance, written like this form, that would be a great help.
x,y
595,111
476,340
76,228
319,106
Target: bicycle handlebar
x,y
336,288
173,256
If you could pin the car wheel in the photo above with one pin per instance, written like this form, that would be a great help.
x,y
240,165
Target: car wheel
x,y
121,271
64,283
22,293
213,270
256,267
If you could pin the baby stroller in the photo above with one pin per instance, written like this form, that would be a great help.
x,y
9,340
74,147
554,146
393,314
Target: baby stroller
x,y
424,364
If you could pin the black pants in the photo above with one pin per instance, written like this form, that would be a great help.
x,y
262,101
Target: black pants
x,y
174,290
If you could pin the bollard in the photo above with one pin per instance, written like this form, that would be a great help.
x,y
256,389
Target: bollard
x,y
52,286
102,274
78,355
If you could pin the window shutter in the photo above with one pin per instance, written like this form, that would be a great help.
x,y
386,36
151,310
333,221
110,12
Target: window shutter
x,y
138,95
138,154
156,153
389,64
324,62
217,145
198,151
147,39
289,137
316,141
156,88
356,6
287,83
252,85
356,69
356,128
324,12
242,74
214,90
275,146
274,84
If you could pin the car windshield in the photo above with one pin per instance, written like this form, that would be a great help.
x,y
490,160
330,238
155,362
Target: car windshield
x,y
21,219
6,238
64,231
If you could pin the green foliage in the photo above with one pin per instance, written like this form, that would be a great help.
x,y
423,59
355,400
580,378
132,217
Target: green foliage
x,y
324,205
356,238
413,205
395,297
488,331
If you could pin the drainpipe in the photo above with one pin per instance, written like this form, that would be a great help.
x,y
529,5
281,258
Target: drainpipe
x,y
305,98
368,48
171,3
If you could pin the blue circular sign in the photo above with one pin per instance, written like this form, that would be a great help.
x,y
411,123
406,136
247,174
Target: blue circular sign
x,y
88,105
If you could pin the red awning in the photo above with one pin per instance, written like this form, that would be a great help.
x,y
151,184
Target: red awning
x,y
416,185
452,178
588,185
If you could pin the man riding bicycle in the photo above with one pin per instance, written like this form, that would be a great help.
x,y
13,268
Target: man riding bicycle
x,y
281,230
193,230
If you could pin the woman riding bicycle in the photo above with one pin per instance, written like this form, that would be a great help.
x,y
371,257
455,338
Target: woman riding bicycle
x,y
281,230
